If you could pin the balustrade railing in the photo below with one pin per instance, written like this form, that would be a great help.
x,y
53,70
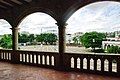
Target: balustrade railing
x,y
93,63
43,59
5,55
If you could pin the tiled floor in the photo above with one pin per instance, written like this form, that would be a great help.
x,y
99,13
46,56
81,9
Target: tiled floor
x,y
23,72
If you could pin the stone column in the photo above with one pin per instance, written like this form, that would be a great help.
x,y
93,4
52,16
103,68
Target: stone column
x,y
15,38
15,56
62,43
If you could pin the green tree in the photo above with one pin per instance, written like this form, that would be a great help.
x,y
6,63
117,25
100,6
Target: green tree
x,y
23,38
75,39
51,38
46,38
40,38
31,38
113,49
6,41
92,39
113,35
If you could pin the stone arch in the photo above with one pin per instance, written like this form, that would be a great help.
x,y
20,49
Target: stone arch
x,y
72,9
75,17
39,12
8,21
27,12
38,23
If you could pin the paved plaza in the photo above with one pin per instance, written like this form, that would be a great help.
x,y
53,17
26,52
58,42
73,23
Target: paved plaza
x,y
54,48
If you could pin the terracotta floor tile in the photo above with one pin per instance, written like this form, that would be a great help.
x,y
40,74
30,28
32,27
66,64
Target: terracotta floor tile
x,y
22,72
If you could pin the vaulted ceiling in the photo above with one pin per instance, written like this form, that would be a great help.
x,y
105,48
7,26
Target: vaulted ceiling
x,y
8,4
18,9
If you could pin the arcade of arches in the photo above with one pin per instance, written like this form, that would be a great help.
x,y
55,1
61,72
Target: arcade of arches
x,y
14,11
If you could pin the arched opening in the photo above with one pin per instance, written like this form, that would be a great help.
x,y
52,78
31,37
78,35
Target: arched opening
x,y
85,63
114,66
90,28
5,35
38,32
99,65
91,64
78,63
72,62
91,25
106,65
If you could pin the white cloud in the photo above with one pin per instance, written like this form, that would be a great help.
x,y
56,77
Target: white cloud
x,y
37,21
5,27
101,16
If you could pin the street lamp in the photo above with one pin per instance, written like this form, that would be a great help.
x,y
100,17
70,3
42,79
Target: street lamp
x,y
93,40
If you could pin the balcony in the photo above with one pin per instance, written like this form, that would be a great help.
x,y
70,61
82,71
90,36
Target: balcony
x,y
51,65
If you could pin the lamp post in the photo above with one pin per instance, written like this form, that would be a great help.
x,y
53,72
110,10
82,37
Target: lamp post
x,y
93,40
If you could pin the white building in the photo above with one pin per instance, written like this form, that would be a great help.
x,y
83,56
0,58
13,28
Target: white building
x,y
112,41
106,44
69,37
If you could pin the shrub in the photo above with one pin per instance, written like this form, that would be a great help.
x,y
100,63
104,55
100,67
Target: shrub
x,y
113,49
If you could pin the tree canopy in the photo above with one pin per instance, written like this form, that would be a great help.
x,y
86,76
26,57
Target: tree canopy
x,y
23,38
6,41
47,38
31,38
43,38
76,39
92,39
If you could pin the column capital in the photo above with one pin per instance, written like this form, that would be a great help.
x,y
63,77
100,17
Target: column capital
x,y
14,28
61,24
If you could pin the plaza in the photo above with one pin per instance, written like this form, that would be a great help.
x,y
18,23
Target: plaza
x,y
54,48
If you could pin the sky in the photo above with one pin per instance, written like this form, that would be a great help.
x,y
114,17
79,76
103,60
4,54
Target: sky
x,y
100,16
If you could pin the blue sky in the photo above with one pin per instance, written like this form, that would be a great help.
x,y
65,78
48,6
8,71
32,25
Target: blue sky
x,y
100,16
